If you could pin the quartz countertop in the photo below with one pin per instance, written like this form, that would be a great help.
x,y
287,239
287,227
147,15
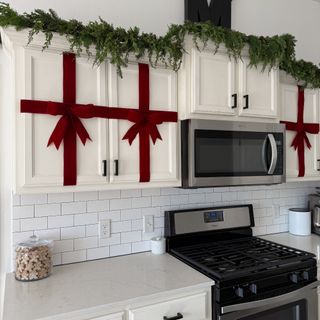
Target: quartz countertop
x,y
307,243
110,283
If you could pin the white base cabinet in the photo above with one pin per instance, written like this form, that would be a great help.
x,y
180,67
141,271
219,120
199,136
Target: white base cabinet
x,y
38,75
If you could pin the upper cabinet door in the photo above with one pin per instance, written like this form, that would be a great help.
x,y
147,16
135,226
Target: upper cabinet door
x,y
212,83
258,89
311,115
164,155
37,164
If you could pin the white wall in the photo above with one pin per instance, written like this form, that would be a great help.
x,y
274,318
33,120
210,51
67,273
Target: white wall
x,y
260,17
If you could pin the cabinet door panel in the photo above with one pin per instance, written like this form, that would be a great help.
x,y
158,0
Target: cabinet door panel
x,y
43,80
311,115
212,83
261,87
124,93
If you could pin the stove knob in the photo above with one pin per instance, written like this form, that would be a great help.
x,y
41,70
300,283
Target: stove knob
x,y
305,275
239,292
253,288
294,277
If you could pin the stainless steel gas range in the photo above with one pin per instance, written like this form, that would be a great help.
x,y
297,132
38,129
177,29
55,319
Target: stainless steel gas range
x,y
255,279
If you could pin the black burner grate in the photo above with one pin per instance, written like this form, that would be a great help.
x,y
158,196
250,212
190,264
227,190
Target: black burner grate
x,y
240,257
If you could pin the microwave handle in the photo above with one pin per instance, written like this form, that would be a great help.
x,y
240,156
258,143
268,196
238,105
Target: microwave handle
x,y
274,153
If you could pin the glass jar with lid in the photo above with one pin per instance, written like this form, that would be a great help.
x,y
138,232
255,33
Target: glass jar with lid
x,y
33,259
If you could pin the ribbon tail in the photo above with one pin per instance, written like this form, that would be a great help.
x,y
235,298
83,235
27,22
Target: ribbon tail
x,y
131,133
81,130
154,133
58,133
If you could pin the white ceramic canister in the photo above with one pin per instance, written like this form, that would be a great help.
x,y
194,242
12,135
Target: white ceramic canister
x,y
158,245
300,221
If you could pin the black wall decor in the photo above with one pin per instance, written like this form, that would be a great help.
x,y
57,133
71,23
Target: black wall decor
x,y
219,11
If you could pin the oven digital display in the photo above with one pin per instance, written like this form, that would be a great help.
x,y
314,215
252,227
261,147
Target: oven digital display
x,y
213,216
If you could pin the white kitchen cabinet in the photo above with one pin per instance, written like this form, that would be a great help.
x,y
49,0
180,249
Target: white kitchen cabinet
x,y
118,316
190,308
258,91
289,104
163,155
212,85
38,75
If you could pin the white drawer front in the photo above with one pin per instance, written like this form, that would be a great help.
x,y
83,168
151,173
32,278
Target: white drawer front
x,y
192,308
118,316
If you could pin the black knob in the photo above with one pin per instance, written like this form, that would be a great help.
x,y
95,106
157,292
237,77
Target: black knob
x,y
305,275
239,292
253,288
294,277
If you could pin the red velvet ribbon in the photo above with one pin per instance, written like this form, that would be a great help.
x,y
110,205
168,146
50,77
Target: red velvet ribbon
x,y
69,125
301,138
145,122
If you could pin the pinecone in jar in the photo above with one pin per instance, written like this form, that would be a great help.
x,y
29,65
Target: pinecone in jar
x,y
33,259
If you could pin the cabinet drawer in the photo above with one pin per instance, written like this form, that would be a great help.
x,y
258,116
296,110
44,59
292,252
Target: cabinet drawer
x,y
118,316
191,308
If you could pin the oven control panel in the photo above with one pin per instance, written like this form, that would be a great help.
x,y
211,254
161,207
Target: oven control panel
x,y
213,216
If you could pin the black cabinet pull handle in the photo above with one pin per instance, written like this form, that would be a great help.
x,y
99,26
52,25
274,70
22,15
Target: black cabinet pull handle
x,y
246,97
116,167
177,317
235,101
104,168
318,165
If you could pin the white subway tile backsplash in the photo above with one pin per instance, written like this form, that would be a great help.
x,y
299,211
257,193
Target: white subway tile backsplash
x,y
72,219
119,250
73,232
86,243
23,212
98,253
98,205
86,218
74,207
44,210
34,199
121,226
116,204
60,221
34,224
85,196
132,236
60,197
74,256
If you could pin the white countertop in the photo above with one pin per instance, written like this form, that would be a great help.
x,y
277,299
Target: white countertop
x,y
110,282
307,243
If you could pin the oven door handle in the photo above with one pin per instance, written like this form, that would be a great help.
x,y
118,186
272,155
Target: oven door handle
x,y
274,153
294,295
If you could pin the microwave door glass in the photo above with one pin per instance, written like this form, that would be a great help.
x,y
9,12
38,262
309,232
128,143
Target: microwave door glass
x,y
230,153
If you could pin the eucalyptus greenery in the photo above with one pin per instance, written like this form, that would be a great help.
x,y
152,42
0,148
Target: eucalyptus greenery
x,y
116,44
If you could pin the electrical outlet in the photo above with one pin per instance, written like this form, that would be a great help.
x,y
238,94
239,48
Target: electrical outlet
x,y
148,224
105,229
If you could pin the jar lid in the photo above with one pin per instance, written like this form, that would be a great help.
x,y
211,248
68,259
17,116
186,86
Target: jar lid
x,y
301,210
34,241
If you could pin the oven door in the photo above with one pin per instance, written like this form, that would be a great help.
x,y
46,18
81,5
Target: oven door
x,y
234,153
301,304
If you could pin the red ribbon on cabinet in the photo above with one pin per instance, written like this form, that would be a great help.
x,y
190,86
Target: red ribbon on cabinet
x,y
301,138
145,122
70,126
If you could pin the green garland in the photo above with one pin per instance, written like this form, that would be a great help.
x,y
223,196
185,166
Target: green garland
x,y
117,43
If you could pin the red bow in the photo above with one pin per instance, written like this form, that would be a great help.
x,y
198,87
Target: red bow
x,y
145,123
71,115
302,129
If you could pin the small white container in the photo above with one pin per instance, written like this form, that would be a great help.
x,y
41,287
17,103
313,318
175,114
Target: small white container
x,y
158,245
300,221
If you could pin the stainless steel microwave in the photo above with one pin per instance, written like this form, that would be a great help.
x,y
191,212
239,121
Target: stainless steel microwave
x,y
225,153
